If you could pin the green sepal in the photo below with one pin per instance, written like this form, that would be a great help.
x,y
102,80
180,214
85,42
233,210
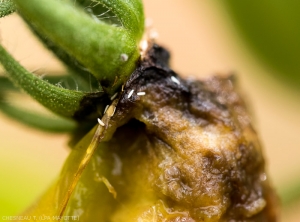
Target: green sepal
x,y
98,46
6,7
36,120
61,101
75,69
130,14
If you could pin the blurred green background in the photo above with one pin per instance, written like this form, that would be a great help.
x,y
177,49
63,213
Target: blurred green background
x,y
271,30
259,41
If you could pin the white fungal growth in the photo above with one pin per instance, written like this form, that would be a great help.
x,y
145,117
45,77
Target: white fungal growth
x,y
130,94
100,122
174,79
114,96
124,57
141,93
144,45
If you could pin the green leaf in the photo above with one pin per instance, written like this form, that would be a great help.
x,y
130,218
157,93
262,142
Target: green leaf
x,y
7,7
271,29
61,101
36,120
94,44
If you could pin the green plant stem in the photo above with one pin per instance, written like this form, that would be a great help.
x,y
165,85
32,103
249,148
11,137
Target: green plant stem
x,y
38,121
61,101
7,7
73,82
6,84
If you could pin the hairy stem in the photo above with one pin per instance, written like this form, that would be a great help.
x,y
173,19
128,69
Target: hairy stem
x,y
61,101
